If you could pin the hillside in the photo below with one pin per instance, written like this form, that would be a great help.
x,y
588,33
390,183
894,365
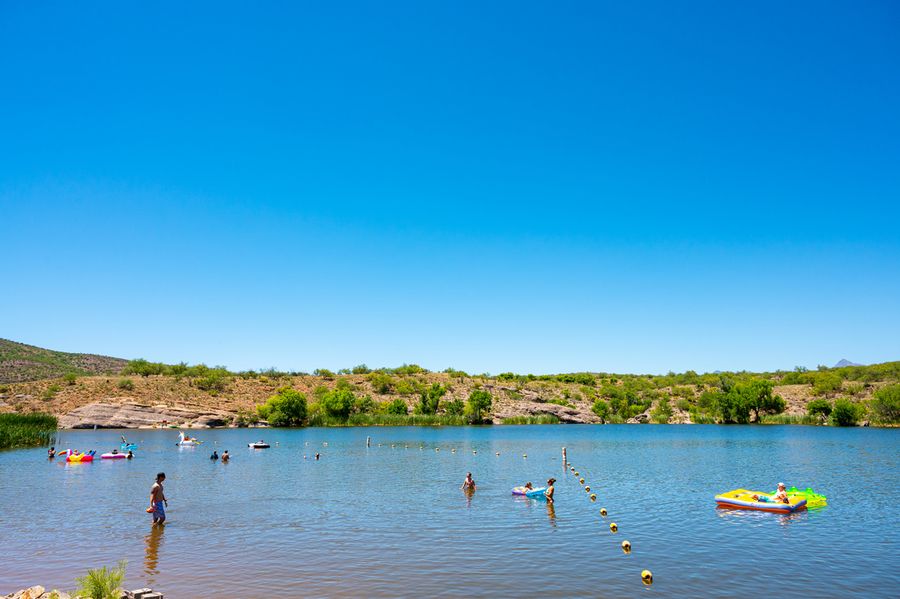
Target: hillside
x,y
20,363
144,394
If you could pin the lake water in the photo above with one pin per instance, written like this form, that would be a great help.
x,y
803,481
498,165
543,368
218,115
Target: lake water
x,y
391,520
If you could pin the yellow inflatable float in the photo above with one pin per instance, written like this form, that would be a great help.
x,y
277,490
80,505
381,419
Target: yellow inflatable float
x,y
742,499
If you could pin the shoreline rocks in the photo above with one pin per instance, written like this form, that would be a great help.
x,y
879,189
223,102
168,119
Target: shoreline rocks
x,y
134,415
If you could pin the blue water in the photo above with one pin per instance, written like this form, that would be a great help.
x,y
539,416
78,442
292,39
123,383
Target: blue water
x,y
392,521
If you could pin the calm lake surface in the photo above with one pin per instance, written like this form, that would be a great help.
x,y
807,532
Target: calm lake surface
x,y
392,521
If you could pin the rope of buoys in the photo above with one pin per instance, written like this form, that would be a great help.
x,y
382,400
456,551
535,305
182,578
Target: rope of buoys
x,y
646,575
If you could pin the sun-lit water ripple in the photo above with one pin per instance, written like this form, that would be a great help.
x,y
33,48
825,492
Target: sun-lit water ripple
x,y
392,521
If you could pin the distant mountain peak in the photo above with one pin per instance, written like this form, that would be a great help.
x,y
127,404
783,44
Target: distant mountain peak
x,y
846,362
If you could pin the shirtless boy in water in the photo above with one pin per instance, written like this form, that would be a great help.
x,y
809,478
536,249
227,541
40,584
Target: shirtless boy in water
x,y
158,499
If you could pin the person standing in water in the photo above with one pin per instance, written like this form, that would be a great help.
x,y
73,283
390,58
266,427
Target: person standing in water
x,y
214,456
51,453
469,483
158,500
225,456
549,492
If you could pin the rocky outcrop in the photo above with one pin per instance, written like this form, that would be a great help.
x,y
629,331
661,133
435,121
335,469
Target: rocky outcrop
x,y
133,415
566,414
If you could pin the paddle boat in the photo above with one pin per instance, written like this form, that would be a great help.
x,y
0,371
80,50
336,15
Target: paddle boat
x,y
742,499
258,445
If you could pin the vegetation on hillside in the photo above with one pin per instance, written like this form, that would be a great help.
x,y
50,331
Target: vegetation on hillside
x,y
20,362
410,393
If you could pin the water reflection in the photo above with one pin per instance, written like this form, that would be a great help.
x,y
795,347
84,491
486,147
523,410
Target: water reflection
x,y
760,517
152,543
551,514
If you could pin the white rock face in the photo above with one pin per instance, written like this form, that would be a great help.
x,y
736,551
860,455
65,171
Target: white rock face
x,y
130,415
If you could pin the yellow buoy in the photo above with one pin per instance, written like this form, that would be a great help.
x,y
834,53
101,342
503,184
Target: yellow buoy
x,y
626,546
576,473
647,577
613,527
581,480
524,455
593,497
603,512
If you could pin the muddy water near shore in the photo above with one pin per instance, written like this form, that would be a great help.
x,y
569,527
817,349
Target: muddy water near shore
x,y
390,520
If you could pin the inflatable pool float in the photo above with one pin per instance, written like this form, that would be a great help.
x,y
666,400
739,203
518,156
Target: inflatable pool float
x,y
185,441
80,457
812,498
259,445
113,456
128,447
742,499
539,492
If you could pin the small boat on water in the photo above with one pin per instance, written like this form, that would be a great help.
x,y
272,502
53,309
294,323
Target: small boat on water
x,y
742,499
258,445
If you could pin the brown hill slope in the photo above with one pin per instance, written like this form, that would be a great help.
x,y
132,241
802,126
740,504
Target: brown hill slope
x,y
20,363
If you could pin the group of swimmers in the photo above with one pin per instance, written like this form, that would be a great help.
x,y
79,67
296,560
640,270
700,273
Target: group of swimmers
x,y
215,456
469,485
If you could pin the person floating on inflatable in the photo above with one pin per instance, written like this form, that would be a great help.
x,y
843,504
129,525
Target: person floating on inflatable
x,y
779,496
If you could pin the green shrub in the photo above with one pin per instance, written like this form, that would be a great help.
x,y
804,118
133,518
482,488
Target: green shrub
x,y
406,386
662,412
50,392
561,402
479,405
819,407
287,407
361,369
338,403
430,399
408,369
125,384
845,412
885,405
854,389
396,407
71,378
826,383
601,409
213,380
454,407
102,583
381,383
364,405
324,373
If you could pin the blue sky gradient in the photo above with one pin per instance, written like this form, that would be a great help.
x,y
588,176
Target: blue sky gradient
x,y
625,187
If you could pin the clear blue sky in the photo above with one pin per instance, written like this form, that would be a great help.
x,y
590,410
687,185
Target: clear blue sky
x,y
614,186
